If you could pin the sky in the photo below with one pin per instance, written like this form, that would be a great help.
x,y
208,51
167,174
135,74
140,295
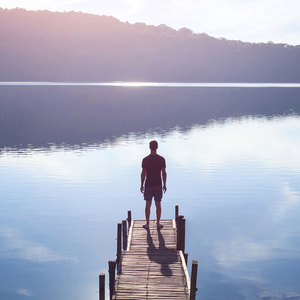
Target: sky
x,y
253,21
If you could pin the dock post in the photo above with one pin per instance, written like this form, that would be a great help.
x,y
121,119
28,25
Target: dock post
x,y
119,247
180,222
179,232
194,280
102,286
124,225
129,218
112,277
176,211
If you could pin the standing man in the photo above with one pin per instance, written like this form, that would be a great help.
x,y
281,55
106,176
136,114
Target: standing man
x,y
154,171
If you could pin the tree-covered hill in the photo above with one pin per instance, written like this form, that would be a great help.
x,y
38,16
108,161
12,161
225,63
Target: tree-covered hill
x,y
71,46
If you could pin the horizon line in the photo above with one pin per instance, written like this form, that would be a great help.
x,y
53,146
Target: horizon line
x,y
148,84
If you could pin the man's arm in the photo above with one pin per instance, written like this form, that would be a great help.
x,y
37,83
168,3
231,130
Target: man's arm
x,y
164,178
143,176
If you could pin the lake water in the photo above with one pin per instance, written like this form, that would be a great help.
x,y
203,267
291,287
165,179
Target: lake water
x,y
70,163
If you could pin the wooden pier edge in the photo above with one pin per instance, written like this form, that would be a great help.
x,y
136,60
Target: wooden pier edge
x,y
186,273
178,224
130,235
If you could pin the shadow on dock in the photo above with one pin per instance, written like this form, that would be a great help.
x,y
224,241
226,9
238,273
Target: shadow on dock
x,y
161,255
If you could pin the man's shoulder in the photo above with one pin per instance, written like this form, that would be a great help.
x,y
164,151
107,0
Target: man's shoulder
x,y
160,158
145,160
147,157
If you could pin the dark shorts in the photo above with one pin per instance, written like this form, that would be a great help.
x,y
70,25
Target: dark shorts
x,y
151,192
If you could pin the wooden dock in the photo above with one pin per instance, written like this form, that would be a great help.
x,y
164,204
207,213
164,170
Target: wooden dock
x,y
152,264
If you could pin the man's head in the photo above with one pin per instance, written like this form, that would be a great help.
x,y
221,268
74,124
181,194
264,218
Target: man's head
x,y
153,145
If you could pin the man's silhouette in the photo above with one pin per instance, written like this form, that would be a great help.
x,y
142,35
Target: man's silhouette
x,y
153,182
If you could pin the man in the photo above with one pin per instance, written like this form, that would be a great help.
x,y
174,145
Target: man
x,y
153,182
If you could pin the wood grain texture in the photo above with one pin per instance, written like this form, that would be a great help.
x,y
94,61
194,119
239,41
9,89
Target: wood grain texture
x,y
152,268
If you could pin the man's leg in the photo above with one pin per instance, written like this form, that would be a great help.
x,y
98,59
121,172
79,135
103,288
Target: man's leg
x,y
147,211
158,212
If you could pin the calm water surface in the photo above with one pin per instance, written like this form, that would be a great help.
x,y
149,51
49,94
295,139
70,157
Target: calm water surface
x,y
233,167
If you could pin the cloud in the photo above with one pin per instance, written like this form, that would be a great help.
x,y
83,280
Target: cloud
x,y
237,250
14,246
28,4
24,292
291,202
68,167
274,142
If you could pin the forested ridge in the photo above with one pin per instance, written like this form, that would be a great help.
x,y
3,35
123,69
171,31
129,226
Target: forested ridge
x,y
74,46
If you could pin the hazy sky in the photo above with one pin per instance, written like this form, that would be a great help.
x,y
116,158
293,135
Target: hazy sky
x,y
246,20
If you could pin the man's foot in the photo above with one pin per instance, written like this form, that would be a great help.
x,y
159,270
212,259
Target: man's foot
x,y
159,226
146,226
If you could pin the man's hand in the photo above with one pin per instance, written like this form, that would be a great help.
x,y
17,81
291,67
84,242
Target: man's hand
x,y
143,177
164,188
164,178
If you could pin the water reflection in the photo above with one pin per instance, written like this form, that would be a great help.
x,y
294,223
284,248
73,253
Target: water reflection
x,y
38,116
246,207
233,168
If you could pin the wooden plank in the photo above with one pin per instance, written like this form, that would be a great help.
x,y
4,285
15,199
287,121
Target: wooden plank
x,y
152,268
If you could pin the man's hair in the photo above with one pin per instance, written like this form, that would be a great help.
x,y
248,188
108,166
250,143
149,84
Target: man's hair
x,y
153,145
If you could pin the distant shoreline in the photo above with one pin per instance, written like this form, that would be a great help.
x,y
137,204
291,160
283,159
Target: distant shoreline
x,y
153,84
